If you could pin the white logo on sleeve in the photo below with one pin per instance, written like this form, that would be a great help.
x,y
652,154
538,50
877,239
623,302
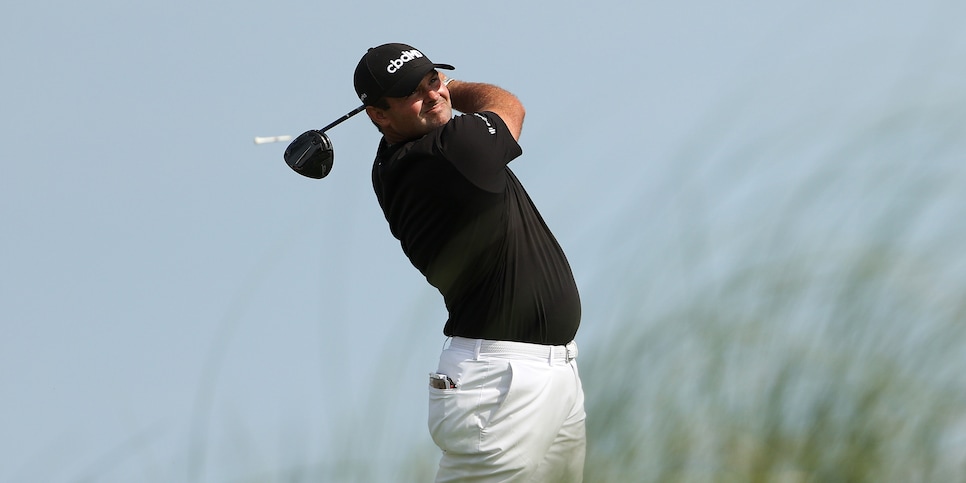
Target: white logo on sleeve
x,y
406,56
489,127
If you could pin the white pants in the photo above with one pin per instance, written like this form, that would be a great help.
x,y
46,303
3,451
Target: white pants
x,y
515,415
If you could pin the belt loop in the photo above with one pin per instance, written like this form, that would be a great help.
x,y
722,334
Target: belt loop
x,y
571,351
550,361
479,345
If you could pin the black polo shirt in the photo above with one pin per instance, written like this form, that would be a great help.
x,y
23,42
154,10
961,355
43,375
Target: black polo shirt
x,y
466,222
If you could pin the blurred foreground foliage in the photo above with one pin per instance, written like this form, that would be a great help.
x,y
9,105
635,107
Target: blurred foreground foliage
x,y
814,337
715,393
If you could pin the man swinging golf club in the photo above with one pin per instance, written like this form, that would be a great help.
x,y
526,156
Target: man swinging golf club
x,y
505,403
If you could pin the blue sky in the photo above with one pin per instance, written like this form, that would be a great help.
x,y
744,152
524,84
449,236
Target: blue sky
x,y
168,285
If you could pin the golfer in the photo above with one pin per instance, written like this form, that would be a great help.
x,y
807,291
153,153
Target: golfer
x,y
505,403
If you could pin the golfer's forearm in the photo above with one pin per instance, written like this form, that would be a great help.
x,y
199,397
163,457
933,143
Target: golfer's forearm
x,y
477,97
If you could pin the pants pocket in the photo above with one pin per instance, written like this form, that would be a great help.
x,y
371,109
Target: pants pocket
x,y
458,417
453,421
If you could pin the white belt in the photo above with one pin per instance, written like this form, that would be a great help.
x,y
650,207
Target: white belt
x,y
550,353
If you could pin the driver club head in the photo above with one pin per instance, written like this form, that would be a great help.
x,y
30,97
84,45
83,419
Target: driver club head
x,y
310,154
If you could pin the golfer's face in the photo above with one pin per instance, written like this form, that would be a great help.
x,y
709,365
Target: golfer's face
x,y
425,109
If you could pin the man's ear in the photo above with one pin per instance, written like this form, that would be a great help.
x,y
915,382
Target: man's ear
x,y
378,116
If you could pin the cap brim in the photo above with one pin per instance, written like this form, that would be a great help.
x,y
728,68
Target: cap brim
x,y
411,81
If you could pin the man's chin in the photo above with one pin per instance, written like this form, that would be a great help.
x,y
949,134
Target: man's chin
x,y
438,120
440,111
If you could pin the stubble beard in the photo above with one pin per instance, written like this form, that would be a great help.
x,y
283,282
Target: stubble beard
x,y
439,114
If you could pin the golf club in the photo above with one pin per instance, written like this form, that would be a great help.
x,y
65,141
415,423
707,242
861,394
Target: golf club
x,y
311,154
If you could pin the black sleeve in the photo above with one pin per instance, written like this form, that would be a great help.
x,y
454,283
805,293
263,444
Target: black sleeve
x,y
480,146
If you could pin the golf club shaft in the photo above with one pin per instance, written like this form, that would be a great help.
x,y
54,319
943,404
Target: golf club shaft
x,y
343,118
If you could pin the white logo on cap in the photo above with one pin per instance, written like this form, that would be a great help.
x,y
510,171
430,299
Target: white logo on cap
x,y
406,56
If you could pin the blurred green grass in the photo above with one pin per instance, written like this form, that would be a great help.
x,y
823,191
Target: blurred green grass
x,y
717,393
815,337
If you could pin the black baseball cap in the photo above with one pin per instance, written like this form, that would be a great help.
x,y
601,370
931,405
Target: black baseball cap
x,y
391,70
